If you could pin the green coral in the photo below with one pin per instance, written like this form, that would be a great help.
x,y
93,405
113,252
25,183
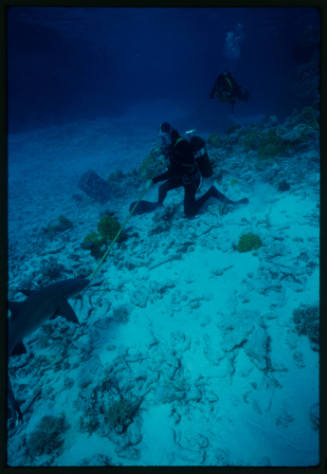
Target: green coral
x,y
307,115
214,140
249,242
152,164
268,144
108,227
250,140
271,145
94,242
48,436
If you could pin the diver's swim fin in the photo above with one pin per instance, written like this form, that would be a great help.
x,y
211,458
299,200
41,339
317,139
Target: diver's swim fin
x,y
143,207
218,195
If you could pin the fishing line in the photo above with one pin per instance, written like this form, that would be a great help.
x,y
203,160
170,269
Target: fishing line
x,y
118,234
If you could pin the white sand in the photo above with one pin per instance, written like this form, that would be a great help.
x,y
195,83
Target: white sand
x,y
200,315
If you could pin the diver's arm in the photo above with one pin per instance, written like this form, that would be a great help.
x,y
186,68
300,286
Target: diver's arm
x,y
161,177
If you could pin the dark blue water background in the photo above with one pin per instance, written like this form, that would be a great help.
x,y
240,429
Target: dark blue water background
x,y
70,63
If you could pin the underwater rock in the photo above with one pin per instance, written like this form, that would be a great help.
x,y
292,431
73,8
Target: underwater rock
x,y
140,298
120,414
283,186
89,371
51,270
270,174
97,460
57,226
120,313
95,187
103,322
192,446
48,438
314,416
258,347
306,319
284,420
222,457
134,434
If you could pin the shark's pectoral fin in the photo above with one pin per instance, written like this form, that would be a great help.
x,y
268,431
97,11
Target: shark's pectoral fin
x,y
66,311
19,349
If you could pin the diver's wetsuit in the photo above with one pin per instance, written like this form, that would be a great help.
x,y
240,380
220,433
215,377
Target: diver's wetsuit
x,y
227,89
182,171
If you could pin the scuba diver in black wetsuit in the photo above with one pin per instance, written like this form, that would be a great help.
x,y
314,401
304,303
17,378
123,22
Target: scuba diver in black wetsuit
x,y
228,90
183,170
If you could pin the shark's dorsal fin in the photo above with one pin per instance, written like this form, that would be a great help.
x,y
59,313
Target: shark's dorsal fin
x,y
66,311
19,349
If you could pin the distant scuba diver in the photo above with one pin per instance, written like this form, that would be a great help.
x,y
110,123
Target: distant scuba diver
x,y
228,90
188,160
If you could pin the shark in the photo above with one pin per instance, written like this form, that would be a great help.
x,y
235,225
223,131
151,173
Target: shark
x,y
40,305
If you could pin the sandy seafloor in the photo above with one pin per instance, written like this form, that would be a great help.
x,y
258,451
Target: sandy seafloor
x,y
200,334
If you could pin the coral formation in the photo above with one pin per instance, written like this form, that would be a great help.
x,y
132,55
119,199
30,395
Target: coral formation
x,y
306,319
56,226
249,242
232,128
51,269
308,115
94,243
108,227
152,164
48,436
95,187
214,140
120,314
271,145
250,139
283,186
314,416
121,413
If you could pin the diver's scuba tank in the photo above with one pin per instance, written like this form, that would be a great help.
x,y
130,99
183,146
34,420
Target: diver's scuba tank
x,y
201,156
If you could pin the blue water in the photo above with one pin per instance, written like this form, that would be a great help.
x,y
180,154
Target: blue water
x,y
75,62
203,334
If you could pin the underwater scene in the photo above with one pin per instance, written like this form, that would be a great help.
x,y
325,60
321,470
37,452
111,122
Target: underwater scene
x,y
163,236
